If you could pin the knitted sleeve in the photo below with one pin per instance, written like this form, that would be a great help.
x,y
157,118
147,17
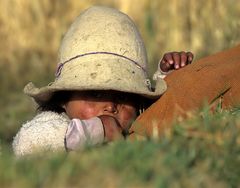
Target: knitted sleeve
x,y
50,131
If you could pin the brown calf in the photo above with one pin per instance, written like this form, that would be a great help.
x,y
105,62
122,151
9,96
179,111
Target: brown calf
x,y
214,79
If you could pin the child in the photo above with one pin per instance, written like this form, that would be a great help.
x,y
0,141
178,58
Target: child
x,y
101,84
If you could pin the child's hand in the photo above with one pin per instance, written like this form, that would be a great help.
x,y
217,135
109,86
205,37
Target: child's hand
x,y
175,60
112,128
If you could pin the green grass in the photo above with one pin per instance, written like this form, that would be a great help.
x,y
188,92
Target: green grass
x,y
203,151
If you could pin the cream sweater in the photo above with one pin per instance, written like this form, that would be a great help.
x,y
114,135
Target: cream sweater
x,y
50,131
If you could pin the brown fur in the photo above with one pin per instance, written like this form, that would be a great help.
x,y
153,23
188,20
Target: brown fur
x,y
214,78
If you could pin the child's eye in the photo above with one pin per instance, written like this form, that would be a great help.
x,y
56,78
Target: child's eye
x,y
122,98
97,95
116,97
125,99
94,95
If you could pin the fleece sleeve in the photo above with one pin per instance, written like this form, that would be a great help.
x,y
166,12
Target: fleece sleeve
x,y
49,131
45,132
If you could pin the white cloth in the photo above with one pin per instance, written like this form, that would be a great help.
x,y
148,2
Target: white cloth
x,y
84,132
160,73
47,132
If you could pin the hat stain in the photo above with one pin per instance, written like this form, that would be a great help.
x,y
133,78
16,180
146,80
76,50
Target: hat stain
x,y
93,75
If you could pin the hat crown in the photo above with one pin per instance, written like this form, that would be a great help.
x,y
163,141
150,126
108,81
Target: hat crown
x,y
103,29
102,50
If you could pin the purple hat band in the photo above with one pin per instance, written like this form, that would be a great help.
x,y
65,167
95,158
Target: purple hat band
x,y
60,65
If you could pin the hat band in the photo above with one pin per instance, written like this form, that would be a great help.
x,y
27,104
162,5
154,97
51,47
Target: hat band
x,y
60,65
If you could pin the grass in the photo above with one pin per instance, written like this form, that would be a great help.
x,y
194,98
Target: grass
x,y
200,152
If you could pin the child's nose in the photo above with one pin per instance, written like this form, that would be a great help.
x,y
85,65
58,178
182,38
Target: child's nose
x,y
110,107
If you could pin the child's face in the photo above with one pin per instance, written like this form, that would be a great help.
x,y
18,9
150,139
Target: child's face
x,y
88,104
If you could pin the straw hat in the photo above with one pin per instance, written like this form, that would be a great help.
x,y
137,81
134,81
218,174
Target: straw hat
x,y
102,50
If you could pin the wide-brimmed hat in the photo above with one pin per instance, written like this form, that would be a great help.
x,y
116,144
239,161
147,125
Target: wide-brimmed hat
x,y
102,50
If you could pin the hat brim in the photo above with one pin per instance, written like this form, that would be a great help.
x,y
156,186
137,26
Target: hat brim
x,y
102,74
